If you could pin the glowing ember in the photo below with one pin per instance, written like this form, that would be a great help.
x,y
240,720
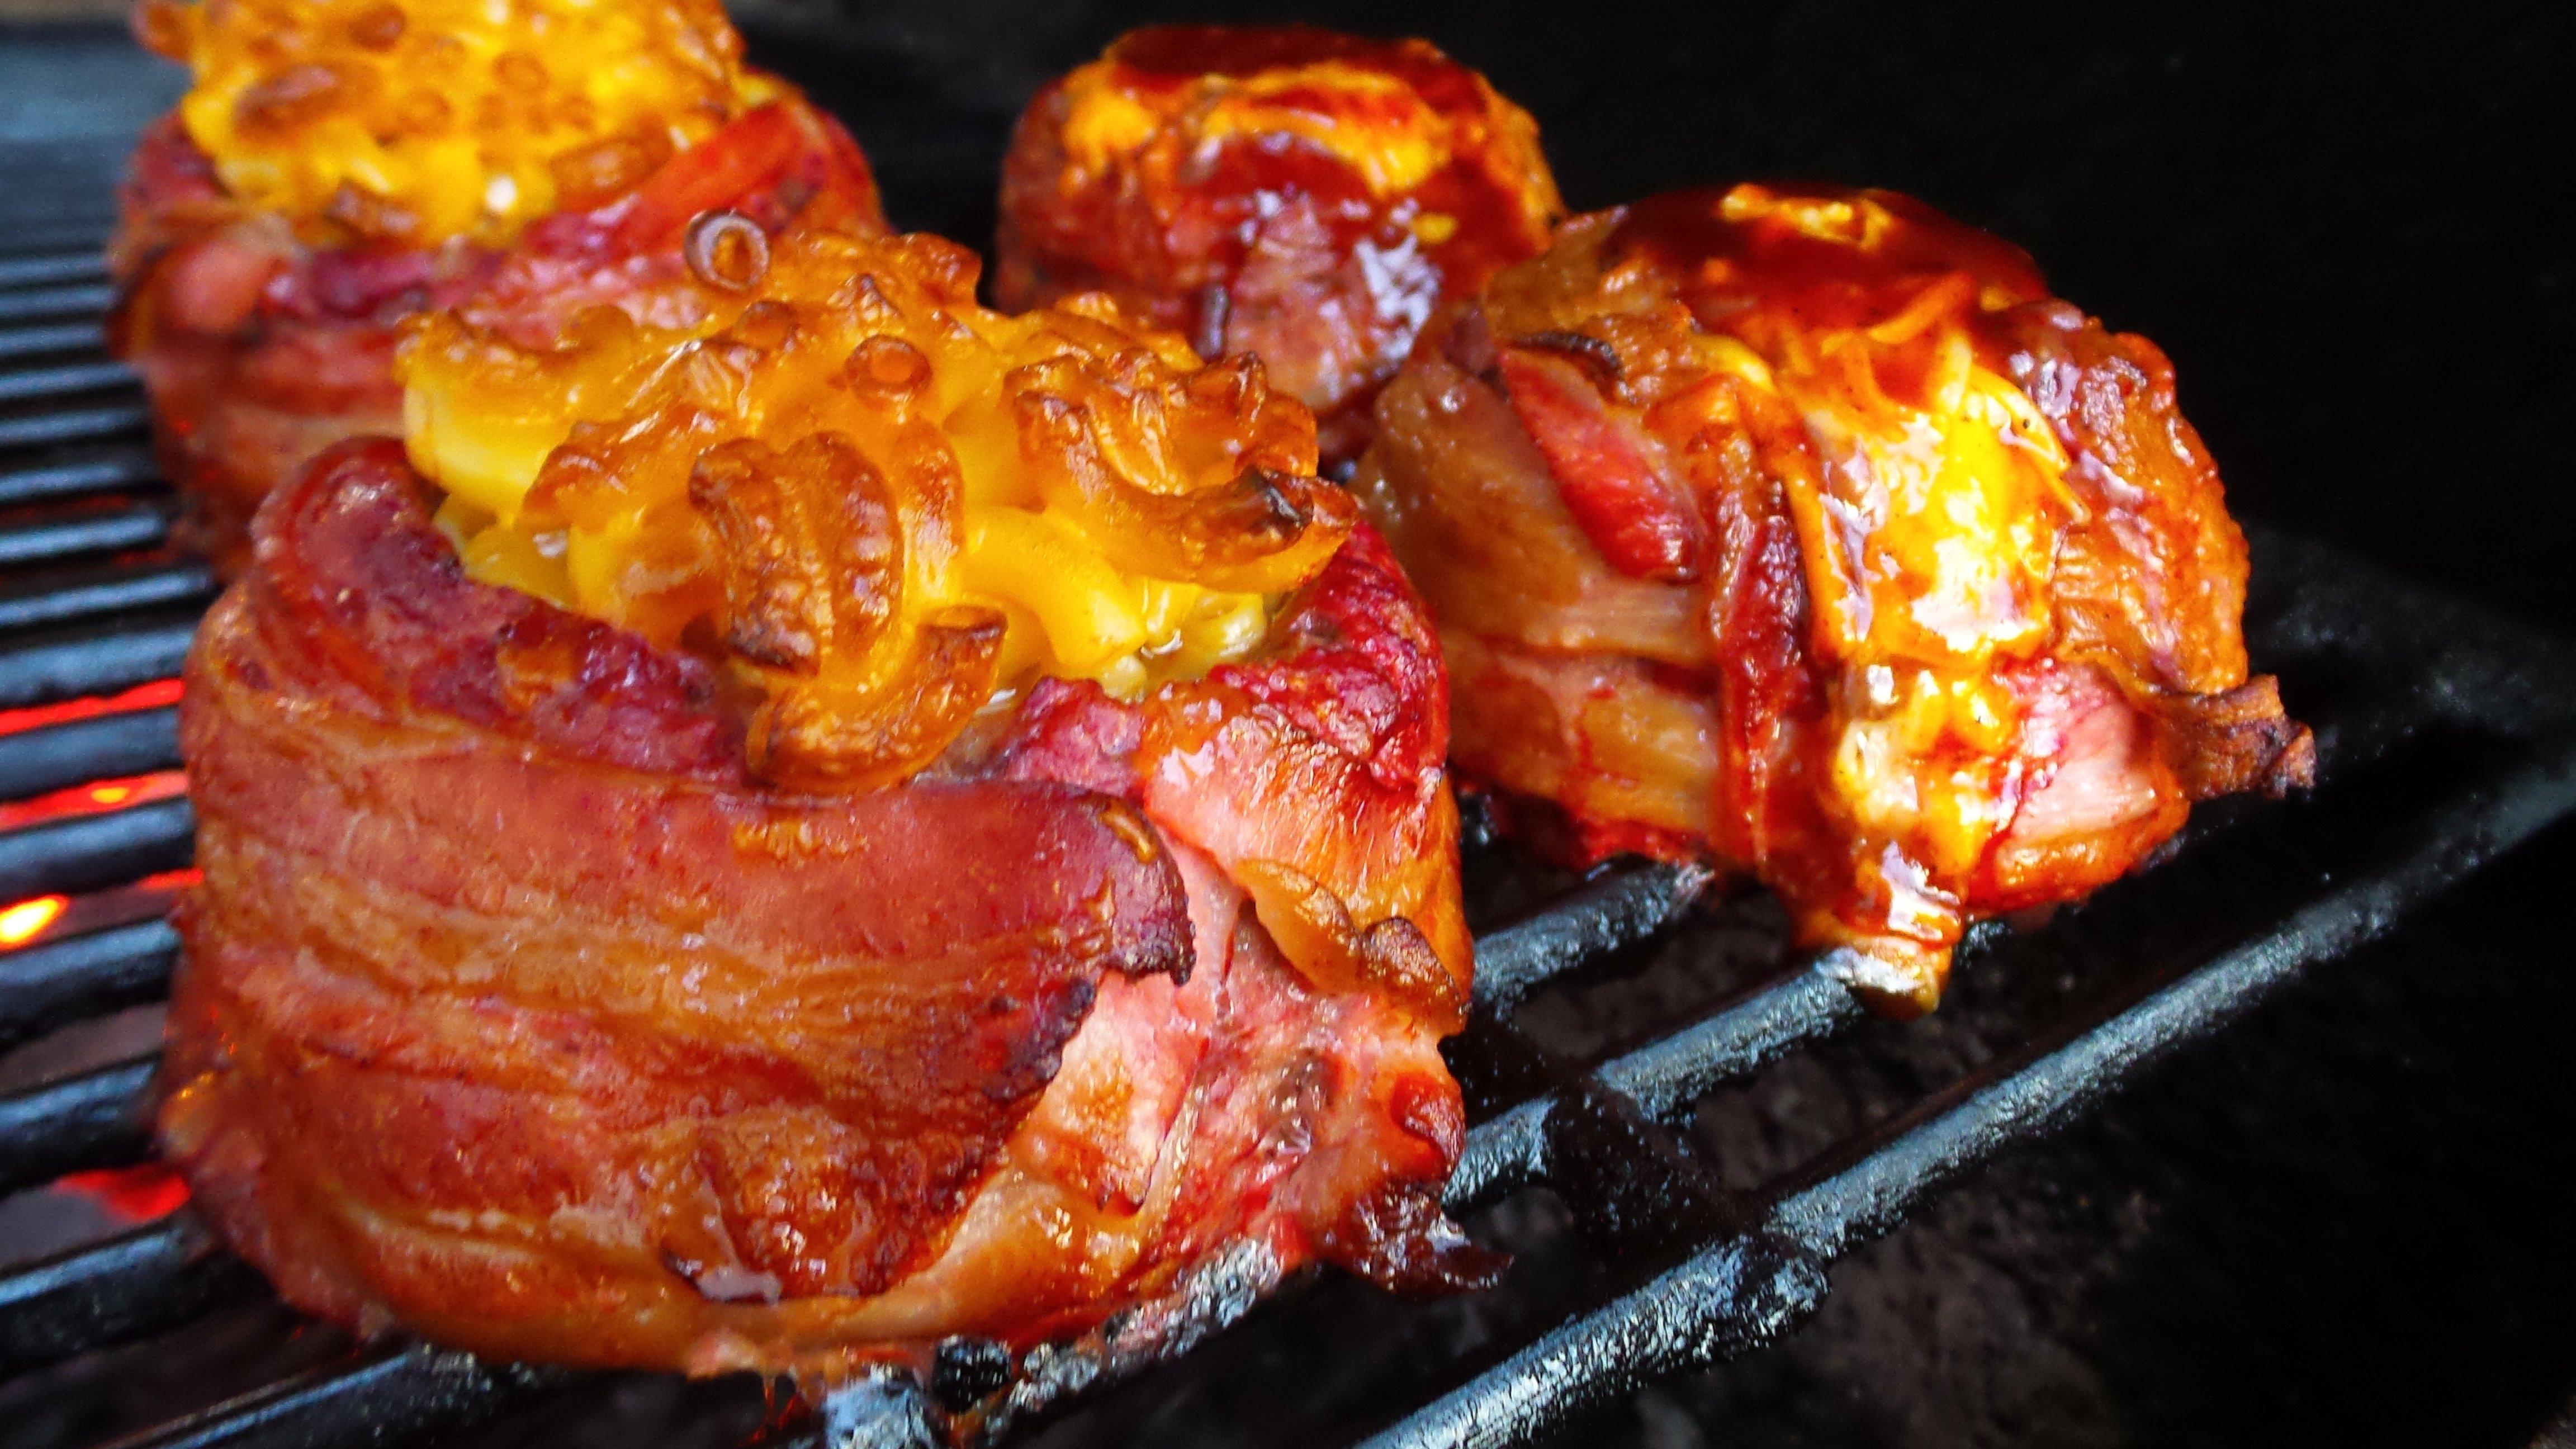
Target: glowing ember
x,y
142,696
93,798
123,905
27,920
135,1194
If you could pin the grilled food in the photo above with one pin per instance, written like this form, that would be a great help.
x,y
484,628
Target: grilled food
x,y
845,823
339,165
1805,531
1300,195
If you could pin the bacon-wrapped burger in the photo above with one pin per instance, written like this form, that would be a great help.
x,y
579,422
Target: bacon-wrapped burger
x,y
1806,532
340,165
1305,196
844,823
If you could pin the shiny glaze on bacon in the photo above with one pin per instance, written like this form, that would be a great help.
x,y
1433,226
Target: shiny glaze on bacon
x,y
1301,195
515,1011
259,349
1804,531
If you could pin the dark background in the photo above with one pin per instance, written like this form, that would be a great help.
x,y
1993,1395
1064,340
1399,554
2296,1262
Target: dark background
x,y
2353,1219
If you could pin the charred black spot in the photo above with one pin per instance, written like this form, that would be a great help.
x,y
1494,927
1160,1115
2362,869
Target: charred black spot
x,y
1269,506
966,1371
1215,306
1596,356
1038,1050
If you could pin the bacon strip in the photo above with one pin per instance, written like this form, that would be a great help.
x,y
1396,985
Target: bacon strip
x,y
1643,520
1817,540
513,1009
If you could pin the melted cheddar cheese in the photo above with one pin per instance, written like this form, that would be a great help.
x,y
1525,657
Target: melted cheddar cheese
x,y
1933,521
1842,346
1934,517
420,120
886,503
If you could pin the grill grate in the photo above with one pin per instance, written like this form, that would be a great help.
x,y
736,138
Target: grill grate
x,y
2447,737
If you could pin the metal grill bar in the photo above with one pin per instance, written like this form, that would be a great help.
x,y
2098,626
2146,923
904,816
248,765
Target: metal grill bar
x,y
74,1123
51,337
86,852
64,380
140,1282
102,660
71,425
1726,1301
118,468
1800,1005
109,591
92,530
63,301
44,986
102,747
1618,909
87,265
389,1395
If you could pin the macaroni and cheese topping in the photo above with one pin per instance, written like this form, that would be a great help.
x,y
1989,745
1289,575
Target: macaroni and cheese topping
x,y
882,504
415,121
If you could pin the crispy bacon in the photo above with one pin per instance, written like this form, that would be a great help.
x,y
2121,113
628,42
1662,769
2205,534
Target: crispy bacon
x,y
1300,195
258,349
516,1011
1610,473
1803,531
